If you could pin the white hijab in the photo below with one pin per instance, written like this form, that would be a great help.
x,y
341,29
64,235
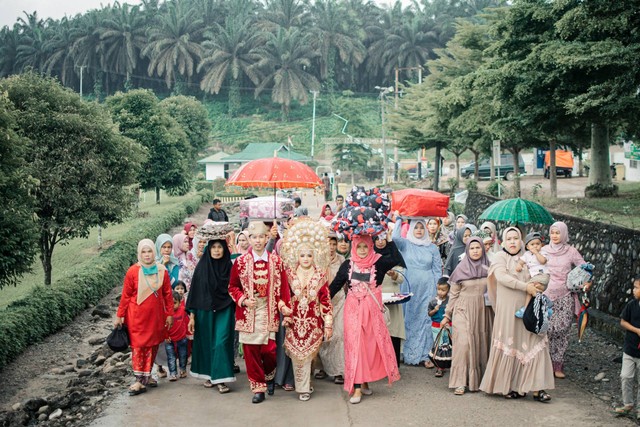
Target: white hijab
x,y
425,240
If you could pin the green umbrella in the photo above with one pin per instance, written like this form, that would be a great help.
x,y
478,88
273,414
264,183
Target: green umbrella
x,y
517,211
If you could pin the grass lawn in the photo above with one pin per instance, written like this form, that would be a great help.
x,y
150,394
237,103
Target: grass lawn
x,y
623,210
80,252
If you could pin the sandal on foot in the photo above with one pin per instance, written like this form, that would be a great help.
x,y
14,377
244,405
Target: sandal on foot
x,y
162,373
134,391
288,387
429,364
542,396
559,374
338,379
207,384
514,395
623,410
366,391
236,368
305,396
439,373
183,374
173,378
355,399
459,391
222,389
152,383
320,375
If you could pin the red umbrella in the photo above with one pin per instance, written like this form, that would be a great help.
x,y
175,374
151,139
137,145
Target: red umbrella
x,y
276,173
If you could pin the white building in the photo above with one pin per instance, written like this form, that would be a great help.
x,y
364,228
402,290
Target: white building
x,y
215,167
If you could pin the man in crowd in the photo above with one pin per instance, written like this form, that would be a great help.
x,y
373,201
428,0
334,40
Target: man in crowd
x,y
217,213
260,289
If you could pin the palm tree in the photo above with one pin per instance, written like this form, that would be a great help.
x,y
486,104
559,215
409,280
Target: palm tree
x,y
87,48
30,51
285,14
172,48
122,35
285,59
339,35
411,45
61,58
229,54
9,40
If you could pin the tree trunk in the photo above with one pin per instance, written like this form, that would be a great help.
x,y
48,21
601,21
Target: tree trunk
x,y
157,195
600,172
516,170
234,97
476,172
436,178
580,165
458,167
553,181
46,251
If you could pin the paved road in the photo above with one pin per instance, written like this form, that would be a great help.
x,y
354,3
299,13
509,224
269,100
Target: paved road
x,y
418,399
567,187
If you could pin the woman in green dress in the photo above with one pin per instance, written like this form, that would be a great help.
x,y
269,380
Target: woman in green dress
x,y
211,311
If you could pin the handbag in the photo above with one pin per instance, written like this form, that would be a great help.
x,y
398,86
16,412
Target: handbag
x,y
383,308
579,276
442,349
537,314
118,339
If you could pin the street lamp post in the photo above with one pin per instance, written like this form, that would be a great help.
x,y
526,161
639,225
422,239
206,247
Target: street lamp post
x,y
383,91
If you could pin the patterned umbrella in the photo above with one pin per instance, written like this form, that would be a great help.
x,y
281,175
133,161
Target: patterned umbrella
x,y
517,211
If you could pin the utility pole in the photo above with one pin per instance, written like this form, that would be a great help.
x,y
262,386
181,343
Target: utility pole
x,y
81,70
313,122
383,90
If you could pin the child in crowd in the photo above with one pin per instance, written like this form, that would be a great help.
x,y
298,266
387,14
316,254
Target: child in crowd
x,y
535,259
436,309
630,321
177,339
181,288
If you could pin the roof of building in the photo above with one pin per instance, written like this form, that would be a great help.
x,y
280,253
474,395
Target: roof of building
x,y
261,150
215,158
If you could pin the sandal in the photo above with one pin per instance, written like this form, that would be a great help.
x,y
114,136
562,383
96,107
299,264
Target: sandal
x,y
439,373
320,375
207,384
288,387
429,364
459,391
338,379
559,375
304,397
134,391
162,373
622,411
542,396
183,374
173,378
515,395
152,383
222,389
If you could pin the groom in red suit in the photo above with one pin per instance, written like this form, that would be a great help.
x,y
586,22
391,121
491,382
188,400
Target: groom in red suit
x,y
259,287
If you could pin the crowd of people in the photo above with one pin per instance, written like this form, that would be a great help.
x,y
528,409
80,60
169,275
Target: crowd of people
x,y
299,302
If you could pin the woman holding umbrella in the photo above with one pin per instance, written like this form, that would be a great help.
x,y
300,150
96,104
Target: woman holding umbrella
x,y
562,258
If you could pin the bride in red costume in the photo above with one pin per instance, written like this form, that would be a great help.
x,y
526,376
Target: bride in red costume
x,y
306,255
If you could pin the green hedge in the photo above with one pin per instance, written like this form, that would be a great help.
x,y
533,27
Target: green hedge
x,y
46,310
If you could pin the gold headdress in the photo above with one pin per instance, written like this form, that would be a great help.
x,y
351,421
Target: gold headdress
x,y
306,233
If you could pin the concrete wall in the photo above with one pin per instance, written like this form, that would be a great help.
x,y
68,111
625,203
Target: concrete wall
x,y
214,170
613,250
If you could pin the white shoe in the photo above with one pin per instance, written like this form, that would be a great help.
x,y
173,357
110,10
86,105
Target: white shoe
x,y
366,391
355,399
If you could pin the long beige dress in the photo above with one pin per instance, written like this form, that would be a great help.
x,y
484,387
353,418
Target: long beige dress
x,y
471,333
331,354
396,326
519,360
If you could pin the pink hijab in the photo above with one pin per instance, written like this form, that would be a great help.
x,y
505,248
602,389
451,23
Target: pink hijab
x,y
562,247
178,241
368,261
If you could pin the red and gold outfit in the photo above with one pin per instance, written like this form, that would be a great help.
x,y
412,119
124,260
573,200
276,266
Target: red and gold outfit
x,y
145,312
266,282
312,312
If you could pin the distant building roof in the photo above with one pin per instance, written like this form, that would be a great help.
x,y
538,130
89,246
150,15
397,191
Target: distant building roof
x,y
216,158
261,150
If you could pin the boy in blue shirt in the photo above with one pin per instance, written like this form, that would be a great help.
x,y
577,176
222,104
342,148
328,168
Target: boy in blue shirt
x,y
436,309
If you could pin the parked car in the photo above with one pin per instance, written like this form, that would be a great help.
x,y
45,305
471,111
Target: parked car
x,y
505,170
564,163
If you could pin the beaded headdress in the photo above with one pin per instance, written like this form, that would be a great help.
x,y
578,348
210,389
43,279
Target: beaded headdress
x,y
306,234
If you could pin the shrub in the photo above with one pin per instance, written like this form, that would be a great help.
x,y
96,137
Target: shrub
x,y
471,184
45,310
599,190
493,189
453,184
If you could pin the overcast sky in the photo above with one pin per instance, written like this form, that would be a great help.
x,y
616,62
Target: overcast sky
x,y
10,10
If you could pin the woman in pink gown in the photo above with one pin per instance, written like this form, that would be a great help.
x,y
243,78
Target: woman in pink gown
x,y
368,351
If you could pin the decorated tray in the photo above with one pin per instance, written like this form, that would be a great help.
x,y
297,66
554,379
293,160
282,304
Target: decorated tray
x,y
396,298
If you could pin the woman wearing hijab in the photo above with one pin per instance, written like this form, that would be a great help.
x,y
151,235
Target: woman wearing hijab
x,y
326,213
242,243
459,245
447,228
212,317
424,268
562,258
189,230
146,307
391,284
461,220
180,248
165,256
368,351
472,332
490,228
519,361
